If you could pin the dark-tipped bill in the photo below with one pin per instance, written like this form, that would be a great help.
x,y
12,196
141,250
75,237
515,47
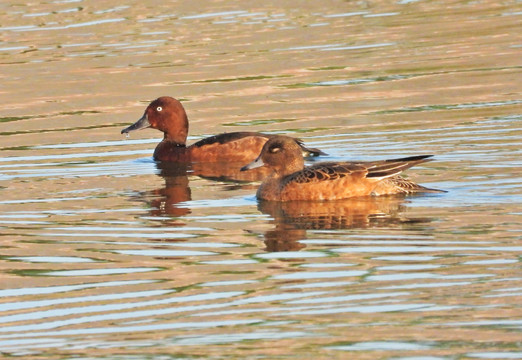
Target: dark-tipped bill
x,y
140,124
254,164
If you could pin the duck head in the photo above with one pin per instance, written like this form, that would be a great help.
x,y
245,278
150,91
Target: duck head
x,y
280,153
167,115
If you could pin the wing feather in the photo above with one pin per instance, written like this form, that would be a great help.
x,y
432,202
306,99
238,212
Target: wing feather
x,y
326,171
389,168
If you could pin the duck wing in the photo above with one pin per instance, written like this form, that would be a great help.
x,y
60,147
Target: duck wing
x,y
307,151
388,168
327,171
226,138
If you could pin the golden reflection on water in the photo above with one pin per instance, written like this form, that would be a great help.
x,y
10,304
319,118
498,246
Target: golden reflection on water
x,y
292,219
108,255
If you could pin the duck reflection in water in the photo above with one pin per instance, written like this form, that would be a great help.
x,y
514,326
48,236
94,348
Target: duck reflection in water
x,y
166,201
170,200
293,219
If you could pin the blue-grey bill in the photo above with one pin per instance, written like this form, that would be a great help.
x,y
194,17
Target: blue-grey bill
x,y
254,164
142,123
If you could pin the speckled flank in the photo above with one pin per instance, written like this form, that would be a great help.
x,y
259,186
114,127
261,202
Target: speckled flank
x,y
353,185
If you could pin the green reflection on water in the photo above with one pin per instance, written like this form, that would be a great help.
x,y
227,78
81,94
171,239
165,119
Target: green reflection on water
x,y
26,117
309,130
242,78
101,126
448,107
258,122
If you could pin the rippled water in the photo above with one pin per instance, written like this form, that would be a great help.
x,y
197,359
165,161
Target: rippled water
x,y
106,254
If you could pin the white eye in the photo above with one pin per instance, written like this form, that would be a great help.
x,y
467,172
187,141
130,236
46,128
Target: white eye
x,y
159,108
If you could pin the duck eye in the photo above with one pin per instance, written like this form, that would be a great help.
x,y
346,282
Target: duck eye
x,y
159,108
274,150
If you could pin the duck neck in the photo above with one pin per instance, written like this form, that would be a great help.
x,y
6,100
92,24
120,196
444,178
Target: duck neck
x,y
171,151
297,164
178,133
175,141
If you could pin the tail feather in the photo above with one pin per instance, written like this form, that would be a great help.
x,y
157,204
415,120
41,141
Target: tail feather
x,y
408,187
310,151
389,168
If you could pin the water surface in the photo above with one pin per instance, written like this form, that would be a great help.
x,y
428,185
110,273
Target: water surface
x,y
106,254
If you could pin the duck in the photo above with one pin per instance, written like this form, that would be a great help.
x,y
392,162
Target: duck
x,y
290,180
168,115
